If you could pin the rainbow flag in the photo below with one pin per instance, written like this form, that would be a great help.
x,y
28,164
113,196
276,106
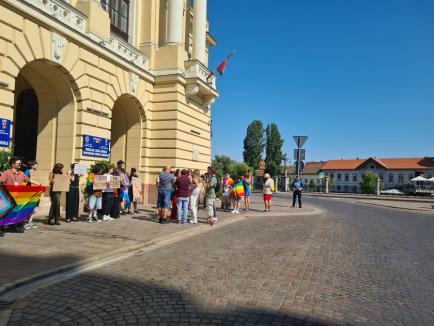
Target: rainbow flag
x,y
18,202
238,189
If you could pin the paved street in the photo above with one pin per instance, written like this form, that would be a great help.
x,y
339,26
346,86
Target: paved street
x,y
353,264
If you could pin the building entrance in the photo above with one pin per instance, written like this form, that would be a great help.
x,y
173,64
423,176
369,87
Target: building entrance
x,y
26,125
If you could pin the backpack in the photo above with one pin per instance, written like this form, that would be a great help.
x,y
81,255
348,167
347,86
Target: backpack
x,y
217,187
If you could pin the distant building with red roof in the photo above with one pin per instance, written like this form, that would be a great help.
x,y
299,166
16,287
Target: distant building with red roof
x,y
393,172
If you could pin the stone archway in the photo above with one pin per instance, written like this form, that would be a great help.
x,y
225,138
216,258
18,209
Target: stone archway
x,y
126,131
55,122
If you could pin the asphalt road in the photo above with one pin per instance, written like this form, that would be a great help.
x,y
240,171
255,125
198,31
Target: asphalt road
x,y
353,264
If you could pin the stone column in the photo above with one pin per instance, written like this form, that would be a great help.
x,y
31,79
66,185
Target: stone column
x,y
175,21
326,189
199,30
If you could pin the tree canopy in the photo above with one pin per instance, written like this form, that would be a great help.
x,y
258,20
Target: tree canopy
x,y
254,144
274,155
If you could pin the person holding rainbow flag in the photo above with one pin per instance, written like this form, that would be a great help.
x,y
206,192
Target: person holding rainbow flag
x,y
238,194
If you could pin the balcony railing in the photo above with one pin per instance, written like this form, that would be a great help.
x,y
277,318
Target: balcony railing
x,y
62,12
195,69
128,52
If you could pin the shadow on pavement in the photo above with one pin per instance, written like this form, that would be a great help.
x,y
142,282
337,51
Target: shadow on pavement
x,y
94,299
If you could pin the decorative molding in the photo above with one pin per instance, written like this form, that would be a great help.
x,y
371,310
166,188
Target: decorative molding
x,y
62,11
134,81
209,101
192,89
57,46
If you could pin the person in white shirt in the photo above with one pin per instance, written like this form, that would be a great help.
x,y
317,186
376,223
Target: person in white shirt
x,y
267,191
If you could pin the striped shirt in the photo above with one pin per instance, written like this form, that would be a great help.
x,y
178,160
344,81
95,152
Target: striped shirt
x,y
166,181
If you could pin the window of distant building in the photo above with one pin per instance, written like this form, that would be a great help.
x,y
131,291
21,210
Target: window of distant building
x,y
390,177
332,176
401,178
119,14
355,189
338,188
381,178
347,178
355,177
339,177
410,176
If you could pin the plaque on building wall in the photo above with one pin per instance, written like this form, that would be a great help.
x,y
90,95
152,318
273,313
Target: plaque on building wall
x,y
96,146
5,132
196,151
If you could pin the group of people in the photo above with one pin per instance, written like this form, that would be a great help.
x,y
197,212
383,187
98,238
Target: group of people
x,y
102,204
181,190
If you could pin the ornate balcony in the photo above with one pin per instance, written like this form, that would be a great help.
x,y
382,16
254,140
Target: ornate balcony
x,y
195,69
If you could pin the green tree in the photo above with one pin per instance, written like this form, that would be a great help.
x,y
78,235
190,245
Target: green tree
x,y
274,155
4,160
254,144
368,184
312,185
223,164
240,169
332,183
100,166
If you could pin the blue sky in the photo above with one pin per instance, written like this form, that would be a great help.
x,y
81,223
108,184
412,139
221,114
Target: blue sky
x,y
356,76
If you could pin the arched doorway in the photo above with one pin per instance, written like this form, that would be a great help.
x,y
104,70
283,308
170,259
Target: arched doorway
x,y
45,114
126,132
26,127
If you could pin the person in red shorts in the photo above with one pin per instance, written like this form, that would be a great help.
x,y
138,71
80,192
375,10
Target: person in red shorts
x,y
267,191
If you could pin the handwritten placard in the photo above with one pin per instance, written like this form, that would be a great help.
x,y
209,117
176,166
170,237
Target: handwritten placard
x,y
80,169
115,182
61,183
100,182
40,177
137,189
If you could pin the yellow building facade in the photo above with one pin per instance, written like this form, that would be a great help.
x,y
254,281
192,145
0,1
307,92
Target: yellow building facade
x,y
87,80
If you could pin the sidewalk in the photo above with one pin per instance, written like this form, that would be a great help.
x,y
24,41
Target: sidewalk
x,y
47,250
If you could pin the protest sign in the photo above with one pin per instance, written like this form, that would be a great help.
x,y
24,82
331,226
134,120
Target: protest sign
x,y
80,169
61,182
99,182
137,189
115,182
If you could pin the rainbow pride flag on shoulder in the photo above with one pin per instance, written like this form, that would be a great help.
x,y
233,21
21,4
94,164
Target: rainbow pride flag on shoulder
x,y
18,202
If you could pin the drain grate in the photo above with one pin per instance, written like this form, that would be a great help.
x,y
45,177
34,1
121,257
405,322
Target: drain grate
x,y
5,305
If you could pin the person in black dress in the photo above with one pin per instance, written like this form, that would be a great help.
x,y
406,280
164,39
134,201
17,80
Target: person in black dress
x,y
73,197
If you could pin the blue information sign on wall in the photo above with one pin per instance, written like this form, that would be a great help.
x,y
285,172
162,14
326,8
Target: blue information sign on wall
x,y
5,132
96,146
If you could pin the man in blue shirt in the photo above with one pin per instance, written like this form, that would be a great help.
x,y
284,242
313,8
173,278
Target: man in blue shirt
x,y
297,188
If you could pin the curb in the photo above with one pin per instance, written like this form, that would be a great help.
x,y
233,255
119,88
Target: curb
x,y
427,210
145,246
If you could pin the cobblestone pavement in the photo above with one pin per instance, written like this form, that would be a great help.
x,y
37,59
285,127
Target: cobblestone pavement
x,y
354,264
